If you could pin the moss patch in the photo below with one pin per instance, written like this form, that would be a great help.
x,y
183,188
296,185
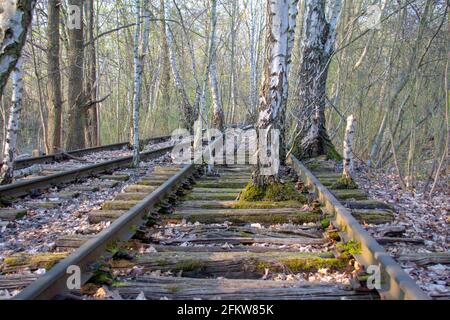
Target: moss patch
x,y
325,223
273,192
300,218
349,248
345,183
268,204
34,261
305,264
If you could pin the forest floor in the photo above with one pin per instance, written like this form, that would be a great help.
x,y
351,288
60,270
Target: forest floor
x,y
424,218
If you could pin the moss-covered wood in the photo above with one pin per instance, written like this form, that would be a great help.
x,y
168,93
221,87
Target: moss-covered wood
x,y
212,196
116,177
71,242
345,182
21,261
139,188
12,214
234,289
373,216
200,204
132,196
243,216
119,205
97,216
343,194
367,204
232,264
233,184
272,192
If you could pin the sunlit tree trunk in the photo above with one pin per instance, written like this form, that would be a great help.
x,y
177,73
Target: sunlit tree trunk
x,y
218,115
233,81
92,129
54,78
274,81
186,108
348,148
317,45
253,94
140,50
165,73
15,18
76,100
7,169
293,11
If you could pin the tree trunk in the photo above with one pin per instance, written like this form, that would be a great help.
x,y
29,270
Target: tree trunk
x,y
140,50
165,73
293,11
348,148
91,80
274,84
253,85
233,81
54,78
7,169
15,18
218,116
316,50
186,108
77,114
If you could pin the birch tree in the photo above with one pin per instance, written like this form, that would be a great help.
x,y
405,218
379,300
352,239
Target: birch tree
x,y
186,107
347,174
280,14
218,116
15,19
316,49
7,168
253,85
140,50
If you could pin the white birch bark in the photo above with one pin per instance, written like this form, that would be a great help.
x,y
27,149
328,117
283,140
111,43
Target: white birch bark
x,y
218,115
253,81
292,24
15,17
233,79
198,90
275,75
186,106
7,169
348,148
317,45
140,50
271,99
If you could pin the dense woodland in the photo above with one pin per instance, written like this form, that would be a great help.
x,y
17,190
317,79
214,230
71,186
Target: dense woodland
x,y
165,63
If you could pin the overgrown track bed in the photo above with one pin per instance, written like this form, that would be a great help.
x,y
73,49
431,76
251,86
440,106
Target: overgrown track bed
x,y
355,214
27,162
176,237
33,224
37,185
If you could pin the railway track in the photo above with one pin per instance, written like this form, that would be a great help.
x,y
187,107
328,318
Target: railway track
x,y
27,162
37,185
180,234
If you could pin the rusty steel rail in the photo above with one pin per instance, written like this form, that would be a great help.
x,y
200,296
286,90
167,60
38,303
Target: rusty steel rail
x,y
27,162
395,283
25,187
54,282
